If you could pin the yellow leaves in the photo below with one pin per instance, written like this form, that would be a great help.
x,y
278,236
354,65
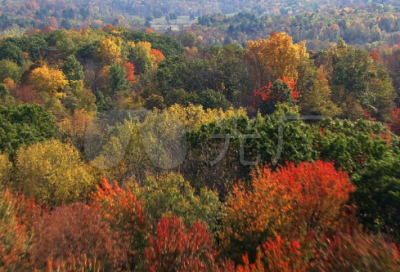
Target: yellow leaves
x,y
146,45
275,57
5,169
110,50
194,116
76,125
48,80
53,173
132,44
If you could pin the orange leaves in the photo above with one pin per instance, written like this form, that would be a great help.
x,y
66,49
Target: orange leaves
x,y
130,72
291,201
158,54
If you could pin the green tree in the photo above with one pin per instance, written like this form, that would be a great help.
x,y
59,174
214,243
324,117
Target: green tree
x,y
11,52
118,78
73,69
9,69
173,195
378,195
211,99
24,124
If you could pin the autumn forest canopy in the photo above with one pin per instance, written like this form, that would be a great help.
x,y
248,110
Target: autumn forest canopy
x,y
229,136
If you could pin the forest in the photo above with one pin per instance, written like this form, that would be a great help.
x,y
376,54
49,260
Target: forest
x,y
264,140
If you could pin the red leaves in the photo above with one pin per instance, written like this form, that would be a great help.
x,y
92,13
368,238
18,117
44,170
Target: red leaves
x,y
126,217
177,248
284,256
395,127
269,94
130,72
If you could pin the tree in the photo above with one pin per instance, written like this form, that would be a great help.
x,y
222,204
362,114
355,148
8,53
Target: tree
x,y
317,99
11,52
130,72
9,69
24,125
48,80
73,70
211,99
291,202
53,173
5,170
118,78
110,50
173,195
4,92
395,126
274,58
378,195
13,235
143,60
75,230
357,252
281,91
125,214
75,127
176,248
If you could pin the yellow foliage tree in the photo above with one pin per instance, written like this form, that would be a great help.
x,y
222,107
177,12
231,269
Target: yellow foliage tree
x,y
110,50
144,60
194,116
274,58
76,125
317,99
5,169
48,80
53,173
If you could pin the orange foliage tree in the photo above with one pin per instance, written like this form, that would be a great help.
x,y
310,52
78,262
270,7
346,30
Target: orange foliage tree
x,y
126,217
73,230
291,202
130,72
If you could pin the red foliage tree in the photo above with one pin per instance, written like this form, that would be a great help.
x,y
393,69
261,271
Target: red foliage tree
x,y
395,126
130,72
26,94
375,56
177,248
13,235
126,217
